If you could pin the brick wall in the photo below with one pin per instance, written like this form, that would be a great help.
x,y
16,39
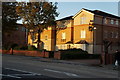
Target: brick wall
x,y
26,53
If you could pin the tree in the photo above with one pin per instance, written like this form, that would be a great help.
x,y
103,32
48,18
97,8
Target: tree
x,y
9,16
37,16
9,19
106,46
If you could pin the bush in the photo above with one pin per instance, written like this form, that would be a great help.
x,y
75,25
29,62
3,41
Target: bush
x,y
77,54
74,51
51,54
6,47
17,48
24,48
31,47
20,48
14,45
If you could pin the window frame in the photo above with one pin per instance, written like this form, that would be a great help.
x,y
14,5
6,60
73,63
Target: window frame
x,y
112,21
46,37
83,34
105,20
117,22
83,19
63,35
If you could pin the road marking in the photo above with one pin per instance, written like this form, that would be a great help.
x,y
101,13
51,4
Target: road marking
x,y
25,74
10,76
23,71
68,74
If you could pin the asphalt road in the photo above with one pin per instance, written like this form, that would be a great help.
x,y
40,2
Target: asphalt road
x,y
23,67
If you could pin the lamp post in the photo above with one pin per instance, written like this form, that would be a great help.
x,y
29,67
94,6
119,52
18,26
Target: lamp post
x,y
92,28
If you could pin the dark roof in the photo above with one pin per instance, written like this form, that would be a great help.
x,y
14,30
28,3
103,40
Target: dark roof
x,y
69,42
82,42
66,18
97,12
19,24
88,10
101,13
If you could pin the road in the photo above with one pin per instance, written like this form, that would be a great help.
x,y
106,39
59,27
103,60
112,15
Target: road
x,y
19,67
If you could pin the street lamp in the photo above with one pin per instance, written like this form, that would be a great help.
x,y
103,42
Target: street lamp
x,y
92,28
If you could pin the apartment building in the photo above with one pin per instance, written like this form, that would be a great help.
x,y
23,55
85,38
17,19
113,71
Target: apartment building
x,y
64,33
93,27
47,38
86,30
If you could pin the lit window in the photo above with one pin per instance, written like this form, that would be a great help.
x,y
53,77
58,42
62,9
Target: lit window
x,y
63,35
116,22
83,34
112,21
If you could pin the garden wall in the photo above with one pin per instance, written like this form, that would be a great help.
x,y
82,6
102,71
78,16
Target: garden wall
x,y
26,53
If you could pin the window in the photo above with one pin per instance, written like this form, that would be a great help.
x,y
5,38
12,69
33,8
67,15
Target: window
x,y
68,46
112,34
105,34
83,20
62,24
46,37
83,34
105,21
116,35
63,47
63,35
112,21
17,28
116,22
23,29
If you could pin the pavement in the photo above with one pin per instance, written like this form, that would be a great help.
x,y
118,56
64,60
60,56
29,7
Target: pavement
x,y
86,62
94,63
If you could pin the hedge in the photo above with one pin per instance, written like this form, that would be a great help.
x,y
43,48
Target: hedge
x,y
77,54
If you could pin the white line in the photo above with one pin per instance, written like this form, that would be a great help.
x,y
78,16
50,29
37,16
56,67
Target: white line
x,y
23,71
10,76
68,74
71,74
25,74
